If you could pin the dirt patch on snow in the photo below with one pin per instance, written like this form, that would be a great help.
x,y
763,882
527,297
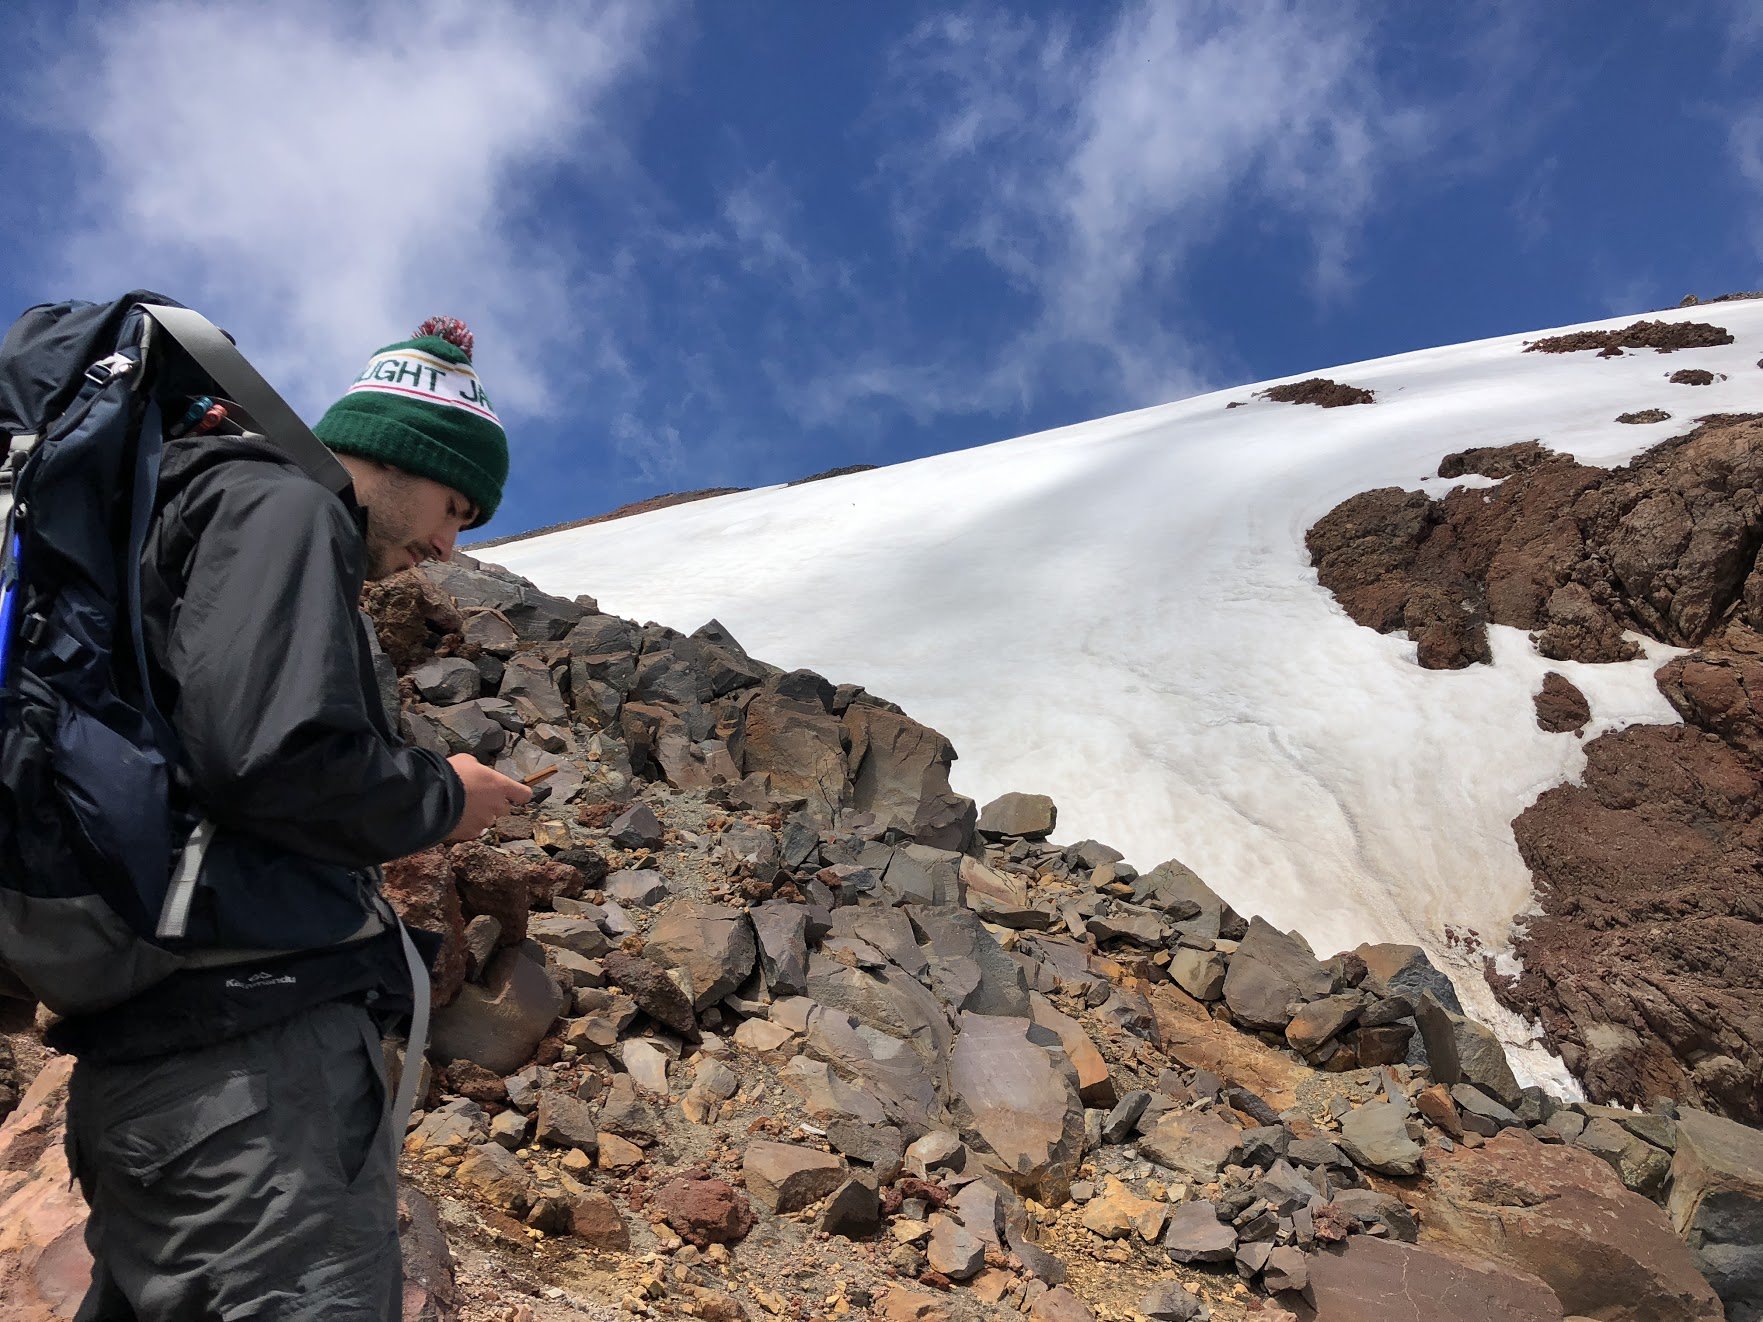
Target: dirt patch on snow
x,y
1319,390
1664,336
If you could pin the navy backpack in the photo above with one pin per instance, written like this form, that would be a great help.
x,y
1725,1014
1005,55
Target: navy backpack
x,y
93,859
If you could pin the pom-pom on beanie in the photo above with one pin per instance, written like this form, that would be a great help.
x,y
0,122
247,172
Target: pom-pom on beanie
x,y
419,406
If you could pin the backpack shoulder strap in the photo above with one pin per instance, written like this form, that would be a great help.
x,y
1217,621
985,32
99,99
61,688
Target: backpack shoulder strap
x,y
233,373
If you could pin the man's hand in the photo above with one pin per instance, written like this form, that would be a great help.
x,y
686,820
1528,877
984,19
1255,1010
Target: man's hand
x,y
488,795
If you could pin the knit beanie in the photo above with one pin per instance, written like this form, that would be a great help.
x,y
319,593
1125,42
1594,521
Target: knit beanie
x,y
419,406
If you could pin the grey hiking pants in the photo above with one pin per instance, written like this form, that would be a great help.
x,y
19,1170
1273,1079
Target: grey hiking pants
x,y
254,1179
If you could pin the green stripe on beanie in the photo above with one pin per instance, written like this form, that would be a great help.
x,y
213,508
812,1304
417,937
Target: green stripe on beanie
x,y
419,406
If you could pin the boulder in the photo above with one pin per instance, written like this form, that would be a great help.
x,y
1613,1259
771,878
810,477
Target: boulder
x,y
703,1210
854,1211
782,1177
1270,970
781,930
1319,1021
636,827
1716,1205
565,1121
431,1291
1641,1166
1191,905
528,683
1024,816
1560,1214
790,734
1195,1234
1169,1302
1200,973
1015,1095
498,1024
1196,1145
1459,1050
899,771
1095,1085
535,616
1365,1277
447,680
595,1220
1375,1136
711,943
656,994
642,889
968,968
954,1250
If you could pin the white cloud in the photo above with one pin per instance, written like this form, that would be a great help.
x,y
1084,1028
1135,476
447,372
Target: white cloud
x,y
1092,176
329,174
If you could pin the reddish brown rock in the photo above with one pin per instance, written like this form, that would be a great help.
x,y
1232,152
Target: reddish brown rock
x,y
1363,1278
1560,706
497,884
1561,1214
791,734
703,1210
1646,965
597,1223
431,1293
421,889
1319,390
44,1266
413,617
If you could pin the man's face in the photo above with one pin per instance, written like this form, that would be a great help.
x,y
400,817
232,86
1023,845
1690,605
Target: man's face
x,y
410,519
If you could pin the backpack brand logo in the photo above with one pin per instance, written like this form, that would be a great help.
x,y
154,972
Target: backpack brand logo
x,y
258,981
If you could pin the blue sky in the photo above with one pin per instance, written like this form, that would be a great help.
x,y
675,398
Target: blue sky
x,y
734,243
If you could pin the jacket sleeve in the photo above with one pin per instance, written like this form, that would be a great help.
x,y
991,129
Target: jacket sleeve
x,y
273,686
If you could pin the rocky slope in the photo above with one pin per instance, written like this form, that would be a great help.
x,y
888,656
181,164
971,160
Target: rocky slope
x,y
1646,963
754,1016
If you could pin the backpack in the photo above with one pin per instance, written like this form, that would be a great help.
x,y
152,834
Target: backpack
x,y
94,861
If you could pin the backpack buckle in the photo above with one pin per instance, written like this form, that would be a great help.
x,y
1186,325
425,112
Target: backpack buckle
x,y
118,364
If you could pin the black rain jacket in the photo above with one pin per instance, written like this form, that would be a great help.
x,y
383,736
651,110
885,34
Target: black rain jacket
x,y
251,584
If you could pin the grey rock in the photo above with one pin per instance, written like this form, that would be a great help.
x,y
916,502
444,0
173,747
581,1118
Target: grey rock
x,y
1026,816
954,1250
782,1177
1124,1118
1168,1302
527,682
447,681
1472,1101
580,935
1195,1234
1375,1136
1015,1095
534,615
1641,1166
1287,1269
1319,1021
564,1121
636,827
1200,973
1270,970
1460,1050
498,1024
781,930
1716,1206
1284,1189
1265,1144
968,968
655,993
1196,1145
981,1206
643,889
1370,1208
854,1211
1191,905
625,1112
481,935
469,729
881,1147
712,943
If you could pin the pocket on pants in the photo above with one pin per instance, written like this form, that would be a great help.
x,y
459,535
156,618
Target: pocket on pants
x,y
143,1146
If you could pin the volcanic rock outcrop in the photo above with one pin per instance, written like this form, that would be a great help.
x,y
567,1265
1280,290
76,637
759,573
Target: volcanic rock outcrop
x,y
1646,965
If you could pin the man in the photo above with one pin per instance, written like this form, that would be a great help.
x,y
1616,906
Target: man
x,y
229,1125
